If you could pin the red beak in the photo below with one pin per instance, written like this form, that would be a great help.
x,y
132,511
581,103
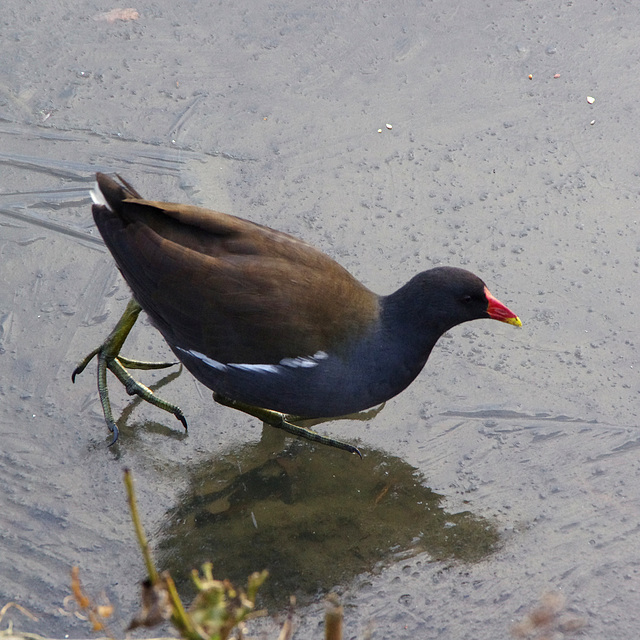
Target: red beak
x,y
497,311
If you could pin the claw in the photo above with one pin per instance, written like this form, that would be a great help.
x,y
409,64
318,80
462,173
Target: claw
x,y
116,433
182,419
83,365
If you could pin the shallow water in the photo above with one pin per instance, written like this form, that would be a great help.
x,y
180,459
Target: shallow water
x,y
272,113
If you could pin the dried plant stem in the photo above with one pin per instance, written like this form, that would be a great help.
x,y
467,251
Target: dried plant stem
x,y
179,616
137,525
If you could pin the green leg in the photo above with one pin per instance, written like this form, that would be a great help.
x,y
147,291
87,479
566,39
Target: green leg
x,y
280,421
108,355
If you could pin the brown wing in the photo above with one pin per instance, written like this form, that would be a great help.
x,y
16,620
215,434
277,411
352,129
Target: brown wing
x,y
231,289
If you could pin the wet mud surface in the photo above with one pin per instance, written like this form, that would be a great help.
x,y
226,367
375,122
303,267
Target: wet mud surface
x,y
507,470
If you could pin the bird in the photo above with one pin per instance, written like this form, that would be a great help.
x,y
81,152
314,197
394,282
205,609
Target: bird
x,y
272,325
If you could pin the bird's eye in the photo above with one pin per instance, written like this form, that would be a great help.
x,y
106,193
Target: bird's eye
x,y
466,299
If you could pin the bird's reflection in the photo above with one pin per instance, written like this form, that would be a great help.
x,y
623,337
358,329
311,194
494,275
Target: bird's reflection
x,y
313,516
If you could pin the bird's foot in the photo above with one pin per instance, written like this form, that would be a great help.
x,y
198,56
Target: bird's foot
x,y
282,421
108,356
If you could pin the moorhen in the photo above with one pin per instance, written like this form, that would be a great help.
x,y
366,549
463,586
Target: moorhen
x,y
272,325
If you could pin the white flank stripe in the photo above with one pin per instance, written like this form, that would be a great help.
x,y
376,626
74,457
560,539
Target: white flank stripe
x,y
299,362
302,362
258,368
210,361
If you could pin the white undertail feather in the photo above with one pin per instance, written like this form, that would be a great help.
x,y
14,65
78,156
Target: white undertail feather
x,y
98,198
